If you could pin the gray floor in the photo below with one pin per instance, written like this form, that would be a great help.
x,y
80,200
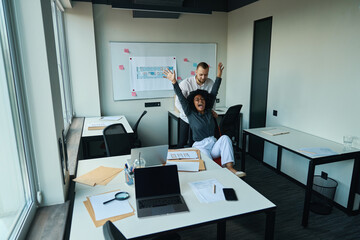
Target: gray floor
x,y
289,197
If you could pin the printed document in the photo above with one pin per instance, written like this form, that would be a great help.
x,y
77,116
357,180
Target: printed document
x,y
208,191
182,155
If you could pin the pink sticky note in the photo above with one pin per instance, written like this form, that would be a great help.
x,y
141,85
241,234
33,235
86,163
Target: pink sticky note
x,y
133,94
121,67
126,50
186,60
178,78
193,73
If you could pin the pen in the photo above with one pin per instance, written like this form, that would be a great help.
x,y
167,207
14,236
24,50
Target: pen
x,y
214,188
126,166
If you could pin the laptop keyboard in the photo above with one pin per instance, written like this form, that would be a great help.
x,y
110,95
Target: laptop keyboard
x,y
148,203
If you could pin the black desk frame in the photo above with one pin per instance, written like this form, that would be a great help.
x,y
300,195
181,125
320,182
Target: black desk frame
x,y
313,162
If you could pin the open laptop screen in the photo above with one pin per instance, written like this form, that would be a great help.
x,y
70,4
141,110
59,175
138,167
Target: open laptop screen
x,y
156,181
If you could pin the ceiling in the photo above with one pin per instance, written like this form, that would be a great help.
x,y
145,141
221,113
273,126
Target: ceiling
x,y
172,8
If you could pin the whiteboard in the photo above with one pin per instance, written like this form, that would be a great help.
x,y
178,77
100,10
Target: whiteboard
x,y
187,55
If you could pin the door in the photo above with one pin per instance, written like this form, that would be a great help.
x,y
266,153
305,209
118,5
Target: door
x,y
259,82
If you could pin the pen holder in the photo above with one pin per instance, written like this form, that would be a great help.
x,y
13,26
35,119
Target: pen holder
x,y
129,176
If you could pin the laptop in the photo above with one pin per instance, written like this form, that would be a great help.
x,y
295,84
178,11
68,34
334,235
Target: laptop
x,y
153,156
157,191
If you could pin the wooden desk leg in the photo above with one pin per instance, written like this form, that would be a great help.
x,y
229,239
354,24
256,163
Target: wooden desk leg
x,y
221,230
310,181
243,152
270,225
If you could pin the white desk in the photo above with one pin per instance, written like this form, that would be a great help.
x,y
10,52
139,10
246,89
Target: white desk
x,y
295,140
93,136
93,120
250,201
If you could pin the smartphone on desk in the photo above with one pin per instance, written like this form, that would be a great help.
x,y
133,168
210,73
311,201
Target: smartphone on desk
x,y
230,194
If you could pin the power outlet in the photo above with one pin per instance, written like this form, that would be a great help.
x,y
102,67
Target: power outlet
x,y
152,104
275,113
217,100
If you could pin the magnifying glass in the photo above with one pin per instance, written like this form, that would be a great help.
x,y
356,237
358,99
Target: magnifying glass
x,y
119,196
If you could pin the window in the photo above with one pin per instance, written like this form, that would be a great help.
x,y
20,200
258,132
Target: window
x,y
17,185
62,60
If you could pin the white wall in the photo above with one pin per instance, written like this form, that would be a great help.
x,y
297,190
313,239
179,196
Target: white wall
x,y
82,59
119,25
314,77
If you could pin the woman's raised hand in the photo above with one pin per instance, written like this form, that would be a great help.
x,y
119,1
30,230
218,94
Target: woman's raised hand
x,y
220,69
170,75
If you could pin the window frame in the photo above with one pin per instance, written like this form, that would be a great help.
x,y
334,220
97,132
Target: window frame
x,y
20,118
62,62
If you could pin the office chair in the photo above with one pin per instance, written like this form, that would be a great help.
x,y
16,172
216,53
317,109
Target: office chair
x,y
229,124
111,232
136,143
117,140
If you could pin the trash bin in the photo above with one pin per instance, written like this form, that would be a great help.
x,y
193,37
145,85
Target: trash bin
x,y
324,189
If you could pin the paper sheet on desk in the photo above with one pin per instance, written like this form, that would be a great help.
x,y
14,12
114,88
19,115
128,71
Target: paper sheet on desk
x,y
195,153
182,155
111,209
317,152
110,118
275,132
99,223
204,190
185,166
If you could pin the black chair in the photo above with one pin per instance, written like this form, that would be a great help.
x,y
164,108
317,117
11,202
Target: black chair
x,y
117,140
229,124
111,232
136,143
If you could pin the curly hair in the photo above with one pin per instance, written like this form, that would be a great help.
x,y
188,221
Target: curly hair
x,y
192,95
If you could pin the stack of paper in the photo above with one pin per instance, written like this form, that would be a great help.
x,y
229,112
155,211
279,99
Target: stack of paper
x,y
186,160
113,211
172,155
99,176
208,190
185,166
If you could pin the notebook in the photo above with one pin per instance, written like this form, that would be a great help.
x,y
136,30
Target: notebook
x,y
157,191
153,156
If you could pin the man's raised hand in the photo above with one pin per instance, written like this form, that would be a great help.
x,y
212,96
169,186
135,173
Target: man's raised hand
x,y
220,69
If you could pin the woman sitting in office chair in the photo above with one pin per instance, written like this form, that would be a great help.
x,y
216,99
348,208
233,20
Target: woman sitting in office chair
x,y
197,108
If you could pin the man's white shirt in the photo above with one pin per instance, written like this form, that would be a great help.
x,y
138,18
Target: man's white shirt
x,y
188,85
